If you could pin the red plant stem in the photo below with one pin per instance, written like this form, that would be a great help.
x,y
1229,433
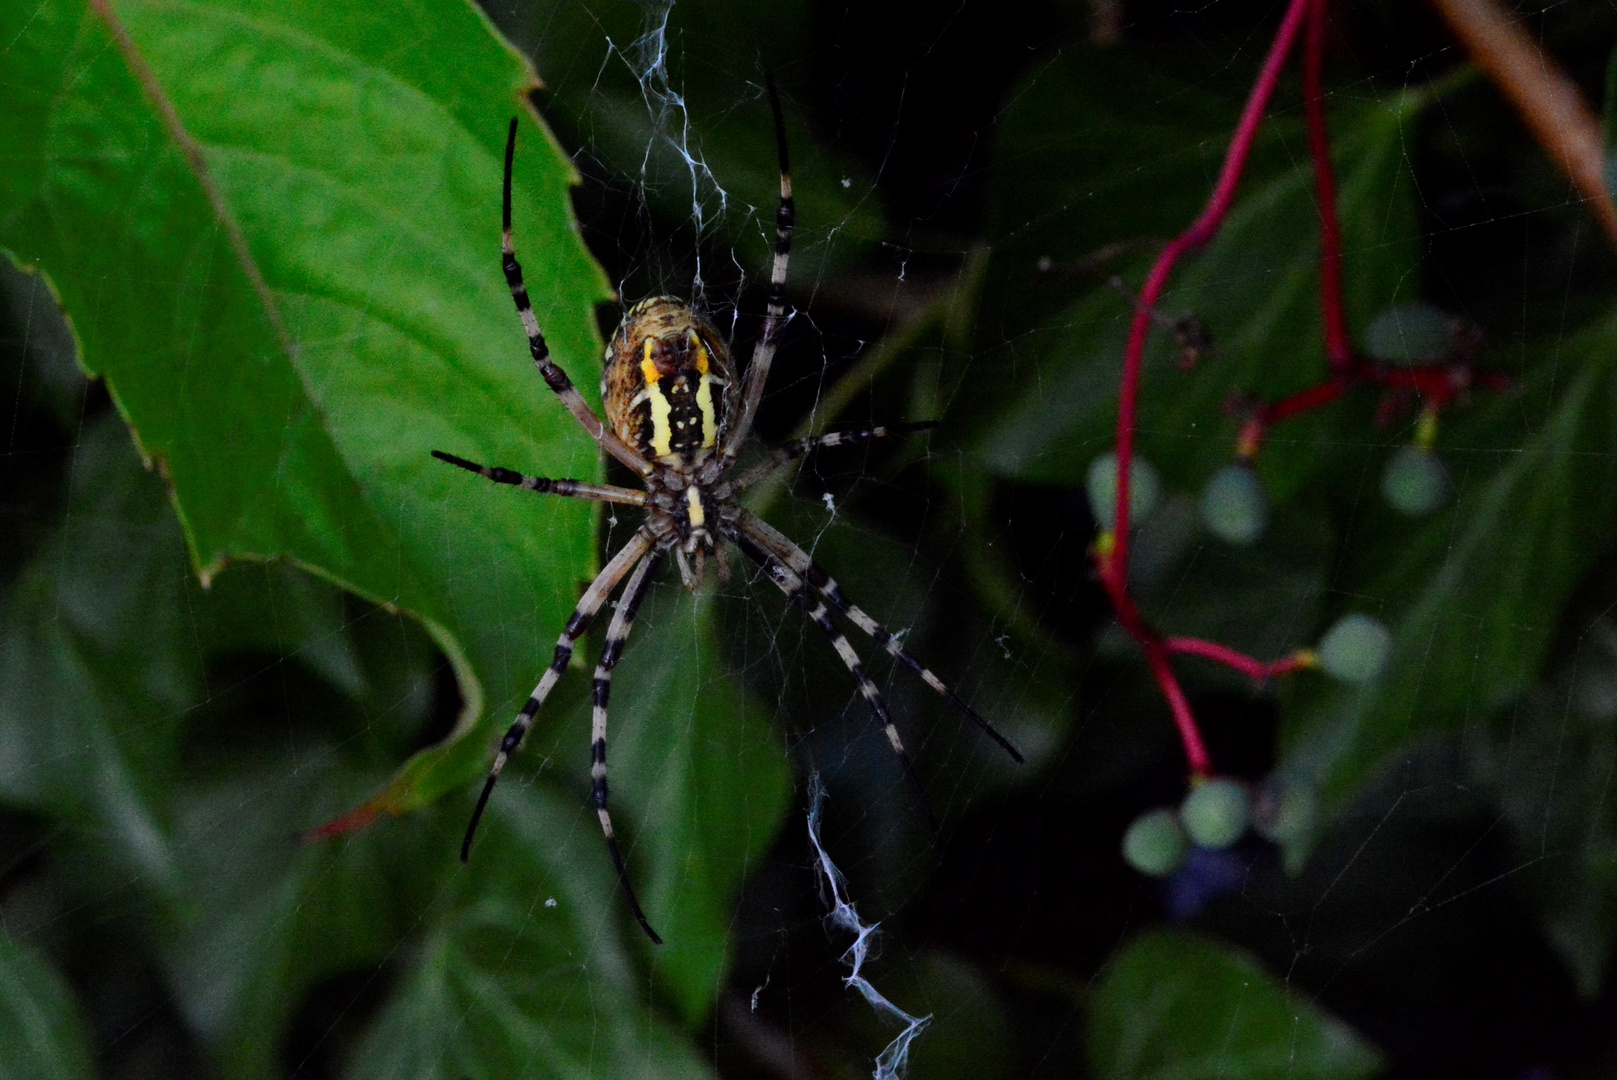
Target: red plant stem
x,y
1111,556
1196,755
1156,654
1205,226
1304,400
1437,384
1229,657
1338,349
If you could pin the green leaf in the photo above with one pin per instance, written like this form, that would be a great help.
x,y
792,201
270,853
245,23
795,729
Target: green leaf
x,y
1175,1006
1472,597
292,382
41,1034
528,975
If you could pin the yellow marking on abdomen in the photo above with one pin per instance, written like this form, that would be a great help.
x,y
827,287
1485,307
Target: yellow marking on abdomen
x,y
662,432
694,509
704,401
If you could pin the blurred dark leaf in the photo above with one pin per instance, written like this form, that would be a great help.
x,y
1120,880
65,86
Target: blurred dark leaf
x,y
41,1034
1050,406
672,96
1172,1006
98,662
526,972
1473,594
1549,762
1264,599
265,915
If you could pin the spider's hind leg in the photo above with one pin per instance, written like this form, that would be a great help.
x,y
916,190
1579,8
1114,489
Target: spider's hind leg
x,y
617,633
583,615
798,593
779,548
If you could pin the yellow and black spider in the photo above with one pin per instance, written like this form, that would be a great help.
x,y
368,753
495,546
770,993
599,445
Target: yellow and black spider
x,y
670,392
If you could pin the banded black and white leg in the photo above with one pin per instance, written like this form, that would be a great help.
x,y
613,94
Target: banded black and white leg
x,y
782,549
763,353
617,633
554,376
572,489
797,591
594,596
789,453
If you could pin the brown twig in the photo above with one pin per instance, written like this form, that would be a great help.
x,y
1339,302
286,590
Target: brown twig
x,y
1549,102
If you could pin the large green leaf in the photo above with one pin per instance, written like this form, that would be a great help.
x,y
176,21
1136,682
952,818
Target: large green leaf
x,y
41,1034
292,384
1177,1007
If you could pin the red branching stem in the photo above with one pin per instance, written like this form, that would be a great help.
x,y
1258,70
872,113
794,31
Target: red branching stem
x,y
1111,554
1338,348
1197,758
1239,661
1304,400
1436,384
1199,233
1196,755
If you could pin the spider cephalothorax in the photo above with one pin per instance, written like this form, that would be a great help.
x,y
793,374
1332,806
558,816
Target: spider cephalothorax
x,y
677,416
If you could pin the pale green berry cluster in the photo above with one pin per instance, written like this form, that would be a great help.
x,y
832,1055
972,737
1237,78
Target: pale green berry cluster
x,y
1214,816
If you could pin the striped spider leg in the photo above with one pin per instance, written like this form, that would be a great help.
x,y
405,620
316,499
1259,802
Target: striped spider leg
x,y
789,453
763,351
617,635
583,615
780,551
554,376
573,489
798,593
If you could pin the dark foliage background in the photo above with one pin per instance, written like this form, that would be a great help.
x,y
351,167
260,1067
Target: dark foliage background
x,y
970,175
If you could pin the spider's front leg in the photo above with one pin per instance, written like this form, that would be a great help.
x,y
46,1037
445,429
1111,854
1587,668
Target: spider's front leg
x,y
554,376
763,353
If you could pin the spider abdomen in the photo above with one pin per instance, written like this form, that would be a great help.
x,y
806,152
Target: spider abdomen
x,y
666,374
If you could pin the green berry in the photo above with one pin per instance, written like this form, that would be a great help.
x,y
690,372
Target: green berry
x,y
1155,844
1144,488
1285,813
1408,334
1234,505
1416,481
1216,813
1355,649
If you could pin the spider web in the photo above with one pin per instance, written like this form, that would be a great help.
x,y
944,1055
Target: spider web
x,y
1450,912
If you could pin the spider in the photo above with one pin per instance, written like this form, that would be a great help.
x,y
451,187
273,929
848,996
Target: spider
x,y
677,416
